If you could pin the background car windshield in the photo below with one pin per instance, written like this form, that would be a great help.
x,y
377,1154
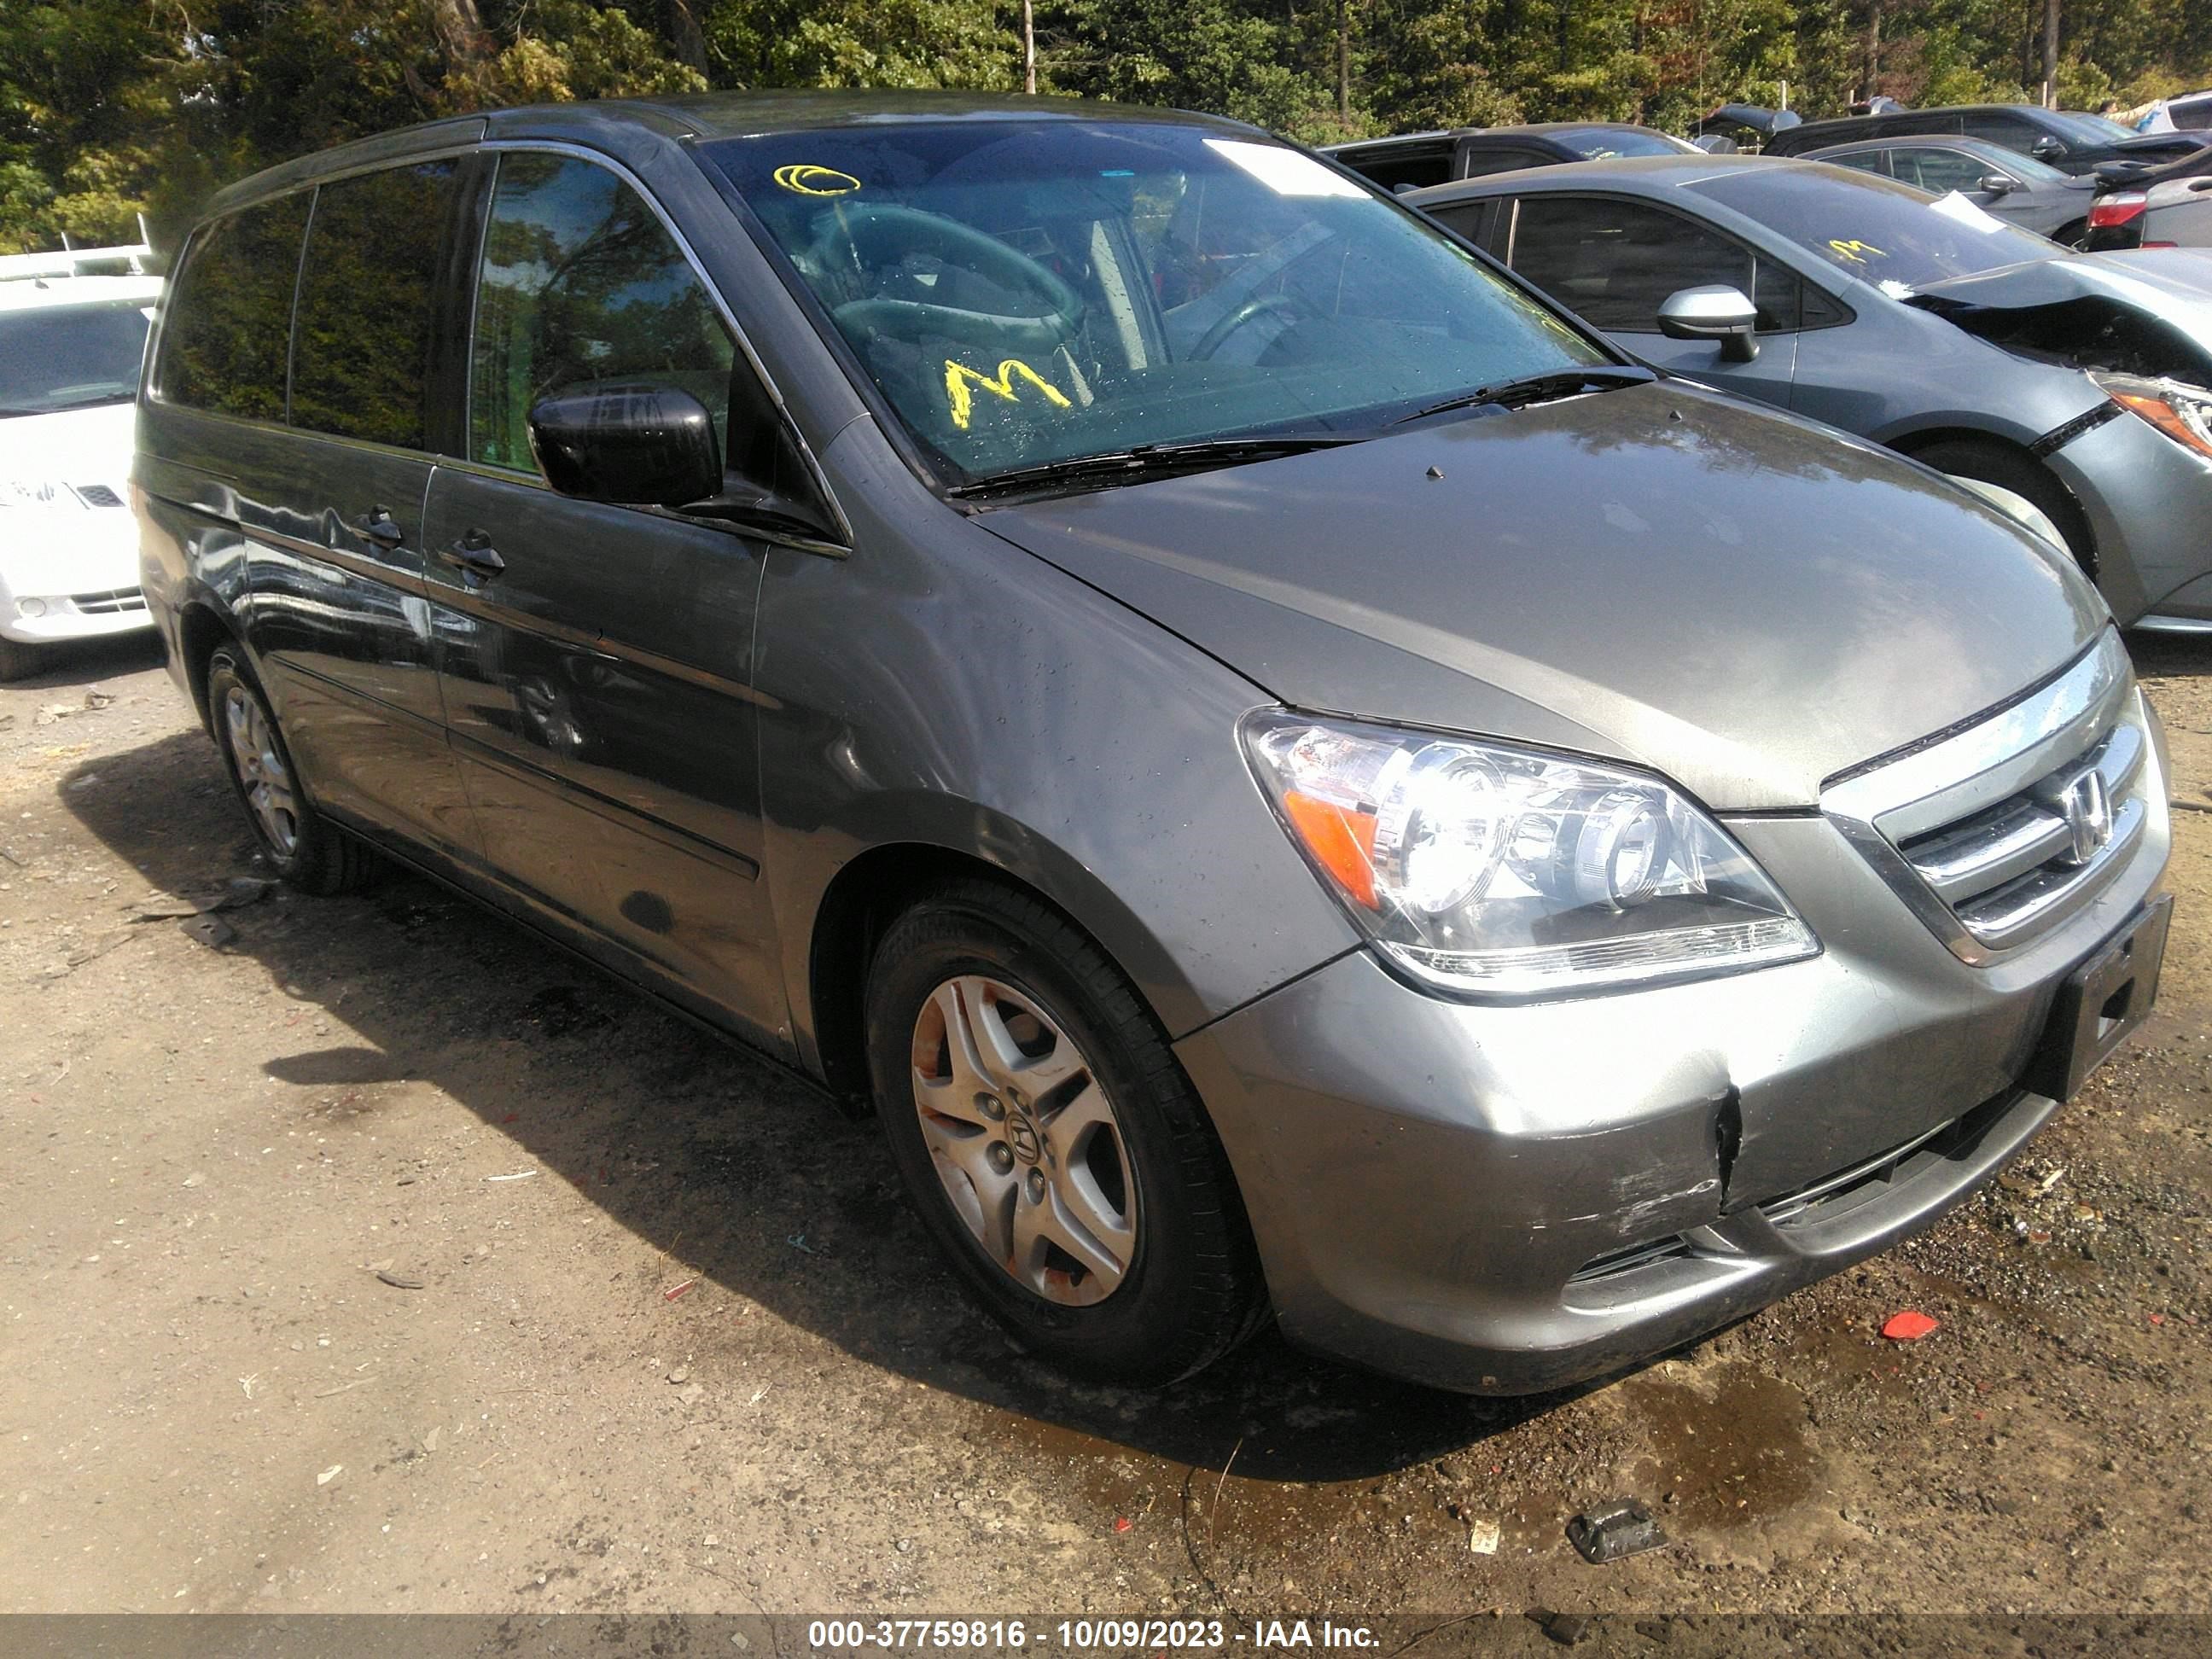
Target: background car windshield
x,y
1031,292
1886,233
69,357
1600,143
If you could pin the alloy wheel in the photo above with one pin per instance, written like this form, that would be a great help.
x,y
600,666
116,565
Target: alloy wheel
x,y
1024,1140
261,771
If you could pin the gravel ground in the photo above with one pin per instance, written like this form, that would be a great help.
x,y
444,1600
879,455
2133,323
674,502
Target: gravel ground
x,y
380,1260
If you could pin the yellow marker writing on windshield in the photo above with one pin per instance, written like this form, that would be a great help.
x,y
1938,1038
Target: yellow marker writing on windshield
x,y
809,181
960,382
1855,251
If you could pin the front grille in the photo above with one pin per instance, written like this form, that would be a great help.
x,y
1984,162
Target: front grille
x,y
1996,833
98,495
2005,867
111,603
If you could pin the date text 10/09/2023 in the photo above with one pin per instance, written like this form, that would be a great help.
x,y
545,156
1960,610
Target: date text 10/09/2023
x,y
1082,1635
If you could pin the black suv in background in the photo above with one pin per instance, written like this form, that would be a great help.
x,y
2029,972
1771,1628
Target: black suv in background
x,y
2068,143
1420,159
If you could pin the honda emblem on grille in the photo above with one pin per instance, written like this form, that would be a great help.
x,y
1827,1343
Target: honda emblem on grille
x,y
2087,805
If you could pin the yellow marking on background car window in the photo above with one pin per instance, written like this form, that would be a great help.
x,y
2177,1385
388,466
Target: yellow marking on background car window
x,y
1855,251
960,382
810,180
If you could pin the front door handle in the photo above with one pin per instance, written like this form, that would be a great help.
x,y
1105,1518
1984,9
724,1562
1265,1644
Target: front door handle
x,y
474,556
378,526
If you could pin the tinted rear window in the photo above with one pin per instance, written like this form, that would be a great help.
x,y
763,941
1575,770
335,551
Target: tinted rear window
x,y
360,364
223,347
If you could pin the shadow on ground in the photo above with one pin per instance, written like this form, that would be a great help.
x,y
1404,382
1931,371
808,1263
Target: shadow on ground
x,y
729,1165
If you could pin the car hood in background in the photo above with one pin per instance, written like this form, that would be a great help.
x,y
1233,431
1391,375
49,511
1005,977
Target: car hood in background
x,y
1743,602
74,446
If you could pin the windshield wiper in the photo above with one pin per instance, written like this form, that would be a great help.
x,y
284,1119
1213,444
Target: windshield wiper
x,y
1150,460
1535,389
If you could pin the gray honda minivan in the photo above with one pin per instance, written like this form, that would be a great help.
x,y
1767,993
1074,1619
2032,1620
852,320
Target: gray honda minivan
x,y
1295,778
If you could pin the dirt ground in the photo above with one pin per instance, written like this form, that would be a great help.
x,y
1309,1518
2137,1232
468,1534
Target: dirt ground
x,y
665,1337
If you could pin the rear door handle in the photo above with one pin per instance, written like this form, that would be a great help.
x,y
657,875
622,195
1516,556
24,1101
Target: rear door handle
x,y
474,555
379,526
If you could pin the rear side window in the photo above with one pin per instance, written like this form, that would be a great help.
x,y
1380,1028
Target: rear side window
x,y
582,286
361,358
1481,163
1863,160
230,312
1414,169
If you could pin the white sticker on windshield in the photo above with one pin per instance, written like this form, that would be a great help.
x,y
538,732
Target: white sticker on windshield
x,y
1285,171
1895,289
1958,208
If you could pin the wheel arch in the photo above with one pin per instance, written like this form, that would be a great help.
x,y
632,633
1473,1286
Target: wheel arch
x,y
871,890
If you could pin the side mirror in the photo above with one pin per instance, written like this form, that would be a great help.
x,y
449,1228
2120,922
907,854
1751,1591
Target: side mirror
x,y
637,445
2046,149
1719,312
1997,184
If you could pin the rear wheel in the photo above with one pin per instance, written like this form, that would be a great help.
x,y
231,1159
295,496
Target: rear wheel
x,y
2049,510
303,847
1051,1142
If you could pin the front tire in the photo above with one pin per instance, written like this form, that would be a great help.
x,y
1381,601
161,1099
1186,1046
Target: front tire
x,y
1052,1143
299,842
18,661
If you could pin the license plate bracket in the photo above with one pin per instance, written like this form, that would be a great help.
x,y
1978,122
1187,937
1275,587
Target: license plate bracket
x,y
2101,1003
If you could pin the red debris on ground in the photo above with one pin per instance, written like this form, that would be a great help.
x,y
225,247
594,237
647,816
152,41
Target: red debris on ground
x,y
1122,1523
1908,1327
672,1293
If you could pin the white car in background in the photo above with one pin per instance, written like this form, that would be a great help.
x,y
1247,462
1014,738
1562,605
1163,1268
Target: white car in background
x,y
70,347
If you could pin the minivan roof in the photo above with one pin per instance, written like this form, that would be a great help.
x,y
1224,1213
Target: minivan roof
x,y
704,115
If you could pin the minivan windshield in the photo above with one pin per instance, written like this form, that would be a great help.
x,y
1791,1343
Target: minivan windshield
x,y
1888,234
71,356
1026,293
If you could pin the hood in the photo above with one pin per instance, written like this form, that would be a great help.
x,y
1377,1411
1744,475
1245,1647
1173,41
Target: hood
x,y
2144,312
1743,602
74,446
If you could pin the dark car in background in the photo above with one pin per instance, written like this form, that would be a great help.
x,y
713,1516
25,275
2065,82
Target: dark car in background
x,y
2077,390
2068,142
1292,774
2016,188
1435,158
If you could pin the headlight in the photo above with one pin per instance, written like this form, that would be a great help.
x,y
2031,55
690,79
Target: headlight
x,y
1491,870
2184,413
36,492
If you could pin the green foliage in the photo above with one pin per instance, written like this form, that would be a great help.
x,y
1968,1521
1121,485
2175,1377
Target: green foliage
x,y
110,108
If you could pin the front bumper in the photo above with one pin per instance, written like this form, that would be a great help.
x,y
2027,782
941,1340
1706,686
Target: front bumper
x,y
69,576
2149,506
1507,1200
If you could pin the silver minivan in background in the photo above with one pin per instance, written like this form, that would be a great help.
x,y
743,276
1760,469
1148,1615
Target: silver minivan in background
x,y
1295,779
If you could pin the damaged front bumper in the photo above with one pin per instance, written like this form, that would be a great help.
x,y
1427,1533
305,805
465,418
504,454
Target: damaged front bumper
x,y
1507,1200
2149,506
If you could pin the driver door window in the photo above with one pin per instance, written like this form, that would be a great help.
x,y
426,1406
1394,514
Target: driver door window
x,y
1614,262
581,285
1941,171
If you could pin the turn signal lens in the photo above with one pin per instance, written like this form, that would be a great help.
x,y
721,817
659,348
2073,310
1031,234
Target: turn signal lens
x,y
1494,871
2183,413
